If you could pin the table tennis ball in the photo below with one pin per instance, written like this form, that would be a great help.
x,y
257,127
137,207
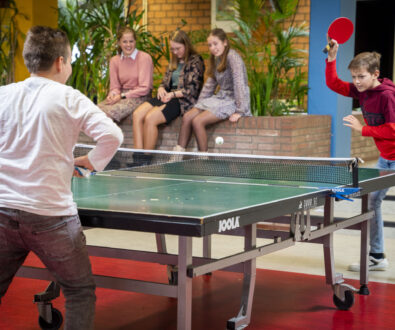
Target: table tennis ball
x,y
219,140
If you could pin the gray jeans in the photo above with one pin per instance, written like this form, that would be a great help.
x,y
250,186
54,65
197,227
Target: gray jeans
x,y
376,199
60,244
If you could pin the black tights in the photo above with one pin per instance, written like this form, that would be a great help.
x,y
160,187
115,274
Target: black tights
x,y
196,120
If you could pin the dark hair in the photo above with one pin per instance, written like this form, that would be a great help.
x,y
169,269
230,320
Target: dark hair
x,y
221,35
43,45
368,60
181,37
123,30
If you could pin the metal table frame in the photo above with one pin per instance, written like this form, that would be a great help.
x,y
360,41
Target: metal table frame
x,y
185,266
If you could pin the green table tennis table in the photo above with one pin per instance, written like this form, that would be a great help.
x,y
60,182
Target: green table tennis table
x,y
201,205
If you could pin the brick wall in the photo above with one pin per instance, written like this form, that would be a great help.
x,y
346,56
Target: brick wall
x,y
283,136
363,146
306,136
302,16
164,16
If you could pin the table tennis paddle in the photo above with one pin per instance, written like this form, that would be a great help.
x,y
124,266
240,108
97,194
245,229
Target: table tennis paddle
x,y
341,30
83,171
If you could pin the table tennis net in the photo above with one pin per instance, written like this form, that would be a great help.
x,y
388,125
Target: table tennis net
x,y
339,171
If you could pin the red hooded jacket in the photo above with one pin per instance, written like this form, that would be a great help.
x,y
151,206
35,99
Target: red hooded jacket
x,y
378,109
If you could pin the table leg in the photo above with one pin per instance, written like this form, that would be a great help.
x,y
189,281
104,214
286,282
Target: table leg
x,y
343,294
207,246
161,243
328,243
184,287
365,233
161,248
244,316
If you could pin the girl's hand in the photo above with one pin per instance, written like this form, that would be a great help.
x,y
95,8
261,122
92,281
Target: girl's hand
x,y
234,117
332,52
167,97
353,122
112,99
161,93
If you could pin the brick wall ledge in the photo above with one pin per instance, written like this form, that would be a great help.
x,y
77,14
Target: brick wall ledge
x,y
298,135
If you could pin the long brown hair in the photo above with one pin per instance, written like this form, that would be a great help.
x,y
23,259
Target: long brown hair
x,y
221,35
123,30
181,37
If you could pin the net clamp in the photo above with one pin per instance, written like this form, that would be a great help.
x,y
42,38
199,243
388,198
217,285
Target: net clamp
x,y
342,193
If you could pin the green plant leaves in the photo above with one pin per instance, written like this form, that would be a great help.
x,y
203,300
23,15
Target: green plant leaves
x,y
274,65
92,29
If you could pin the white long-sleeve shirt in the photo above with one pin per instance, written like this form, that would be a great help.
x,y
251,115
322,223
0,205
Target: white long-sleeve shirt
x,y
40,121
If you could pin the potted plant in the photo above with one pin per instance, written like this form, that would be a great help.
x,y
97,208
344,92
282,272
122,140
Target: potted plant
x,y
274,65
92,27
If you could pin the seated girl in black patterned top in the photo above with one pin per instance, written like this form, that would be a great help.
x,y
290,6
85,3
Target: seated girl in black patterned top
x,y
176,95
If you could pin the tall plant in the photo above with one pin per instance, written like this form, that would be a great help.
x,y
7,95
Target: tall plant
x,y
92,27
274,64
9,33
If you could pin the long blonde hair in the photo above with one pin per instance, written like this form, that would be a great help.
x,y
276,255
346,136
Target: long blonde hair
x,y
181,37
221,35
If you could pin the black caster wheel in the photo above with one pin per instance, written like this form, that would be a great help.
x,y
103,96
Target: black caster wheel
x,y
347,303
230,325
172,274
57,320
173,279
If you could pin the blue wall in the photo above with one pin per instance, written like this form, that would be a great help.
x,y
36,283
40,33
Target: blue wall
x,y
321,100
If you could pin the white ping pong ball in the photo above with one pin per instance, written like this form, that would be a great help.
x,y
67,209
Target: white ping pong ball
x,y
219,140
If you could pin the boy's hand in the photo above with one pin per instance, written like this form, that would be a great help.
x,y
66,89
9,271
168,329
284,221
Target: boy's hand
x,y
353,122
332,52
84,162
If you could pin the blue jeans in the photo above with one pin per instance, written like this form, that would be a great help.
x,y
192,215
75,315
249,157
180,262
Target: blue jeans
x,y
60,244
376,223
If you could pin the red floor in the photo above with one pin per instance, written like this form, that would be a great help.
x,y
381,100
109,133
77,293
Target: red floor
x,y
282,301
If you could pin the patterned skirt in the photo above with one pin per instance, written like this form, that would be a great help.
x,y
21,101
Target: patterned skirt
x,y
222,105
123,107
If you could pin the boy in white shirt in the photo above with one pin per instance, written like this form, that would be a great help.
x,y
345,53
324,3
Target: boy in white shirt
x,y
40,121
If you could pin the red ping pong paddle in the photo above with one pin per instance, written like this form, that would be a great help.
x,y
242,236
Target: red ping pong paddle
x,y
341,30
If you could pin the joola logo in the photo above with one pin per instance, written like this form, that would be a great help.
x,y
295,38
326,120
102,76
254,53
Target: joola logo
x,y
227,224
308,204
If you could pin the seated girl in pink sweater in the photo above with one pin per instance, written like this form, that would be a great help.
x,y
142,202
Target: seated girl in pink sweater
x,y
131,73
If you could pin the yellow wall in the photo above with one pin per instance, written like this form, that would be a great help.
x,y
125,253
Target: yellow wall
x,y
39,12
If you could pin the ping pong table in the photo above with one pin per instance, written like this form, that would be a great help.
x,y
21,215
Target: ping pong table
x,y
200,204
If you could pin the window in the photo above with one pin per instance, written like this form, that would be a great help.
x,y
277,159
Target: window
x,y
221,13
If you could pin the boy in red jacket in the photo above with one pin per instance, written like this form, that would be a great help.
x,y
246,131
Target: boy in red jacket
x,y
377,100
